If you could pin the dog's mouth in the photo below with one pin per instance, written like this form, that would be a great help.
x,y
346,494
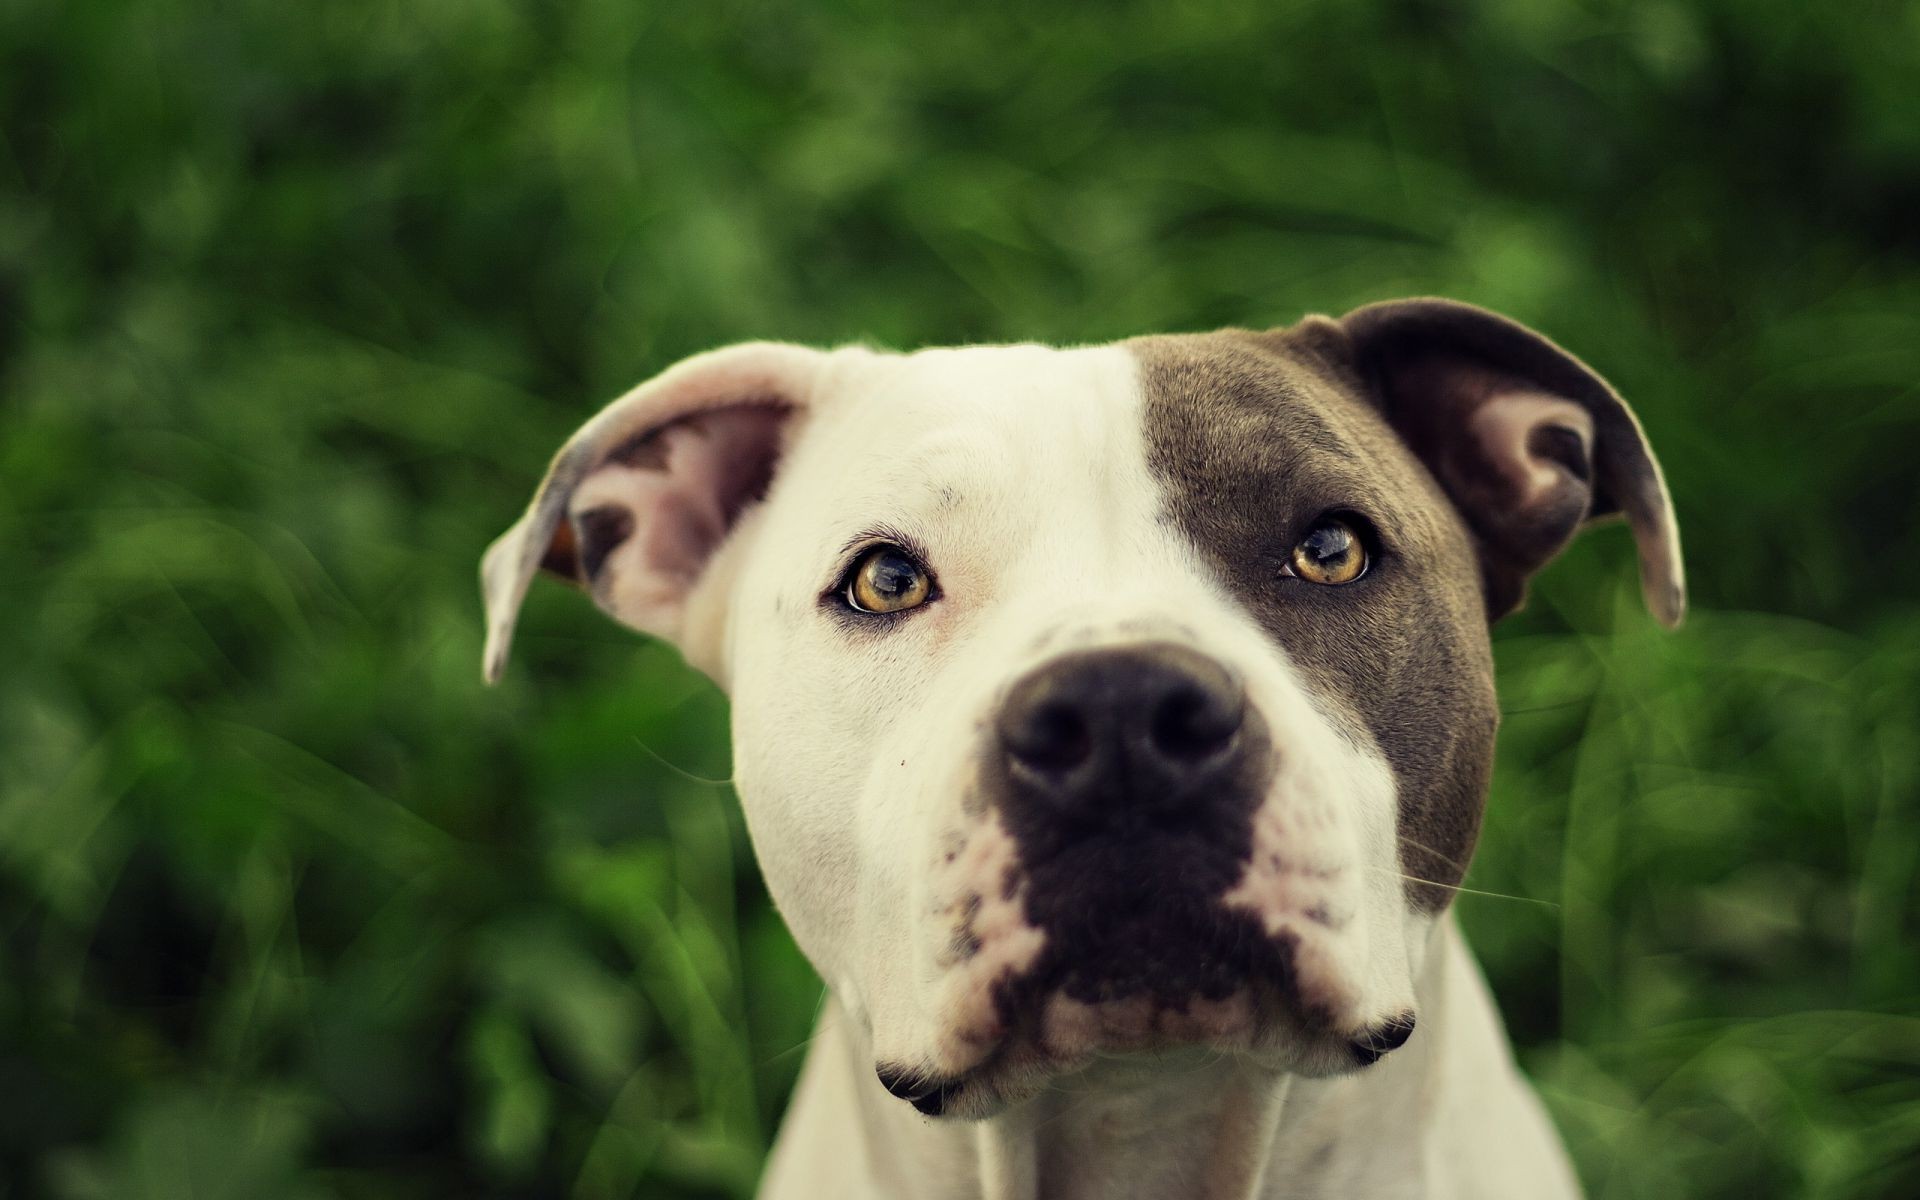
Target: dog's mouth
x,y
1156,973
1244,1024
1138,940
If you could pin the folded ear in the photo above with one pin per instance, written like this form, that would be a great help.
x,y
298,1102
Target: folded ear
x,y
640,498
1531,444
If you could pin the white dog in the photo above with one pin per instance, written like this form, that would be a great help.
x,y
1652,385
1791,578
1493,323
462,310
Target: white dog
x,y
1113,726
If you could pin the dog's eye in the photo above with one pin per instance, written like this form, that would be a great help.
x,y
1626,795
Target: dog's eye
x,y
887,579
1331,553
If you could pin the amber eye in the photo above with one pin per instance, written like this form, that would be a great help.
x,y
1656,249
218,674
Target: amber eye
x,y
888,580
1331,553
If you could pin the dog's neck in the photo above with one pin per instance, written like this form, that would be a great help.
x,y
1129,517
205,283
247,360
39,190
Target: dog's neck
x,y
1186,1124
1180,1125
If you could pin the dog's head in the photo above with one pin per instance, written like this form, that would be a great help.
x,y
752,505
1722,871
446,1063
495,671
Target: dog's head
x,y
1103,699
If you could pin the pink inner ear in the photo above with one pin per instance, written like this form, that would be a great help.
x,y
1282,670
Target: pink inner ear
x,y
682,487
1506,428
716,464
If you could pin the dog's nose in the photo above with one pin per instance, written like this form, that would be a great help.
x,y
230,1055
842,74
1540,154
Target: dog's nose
x,y
1096,734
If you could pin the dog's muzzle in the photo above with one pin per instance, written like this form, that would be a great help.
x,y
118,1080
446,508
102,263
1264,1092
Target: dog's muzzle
x,y
1100,908
1128,778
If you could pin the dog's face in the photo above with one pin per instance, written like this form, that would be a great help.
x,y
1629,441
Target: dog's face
x,y
1103,699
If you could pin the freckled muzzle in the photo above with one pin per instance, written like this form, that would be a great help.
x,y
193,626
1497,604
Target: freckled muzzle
x,y
1128,778
1124,790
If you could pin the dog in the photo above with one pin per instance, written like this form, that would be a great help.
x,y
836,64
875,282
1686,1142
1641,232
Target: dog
x,y
1113,726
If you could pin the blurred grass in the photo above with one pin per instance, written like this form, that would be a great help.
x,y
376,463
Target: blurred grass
x,y
295,303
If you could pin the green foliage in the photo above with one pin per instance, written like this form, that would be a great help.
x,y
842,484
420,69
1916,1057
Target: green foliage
x,y
294,303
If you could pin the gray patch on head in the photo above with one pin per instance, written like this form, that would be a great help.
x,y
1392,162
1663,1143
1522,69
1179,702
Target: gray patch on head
x,y
1254,437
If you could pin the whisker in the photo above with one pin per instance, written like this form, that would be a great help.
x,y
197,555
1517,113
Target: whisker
x,y
789,1052
1071,1102
1404,840
681,771
1466,891
818,1006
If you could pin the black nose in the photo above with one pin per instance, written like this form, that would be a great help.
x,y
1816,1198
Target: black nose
x,y
1104,733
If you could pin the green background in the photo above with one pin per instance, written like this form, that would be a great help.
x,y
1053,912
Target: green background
x,y
296,300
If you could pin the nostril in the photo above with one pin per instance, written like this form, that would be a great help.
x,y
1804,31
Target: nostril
x,y
1193,723
1052,736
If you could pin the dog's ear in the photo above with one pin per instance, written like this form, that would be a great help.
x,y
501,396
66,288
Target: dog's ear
x,y
1531,445
638,501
